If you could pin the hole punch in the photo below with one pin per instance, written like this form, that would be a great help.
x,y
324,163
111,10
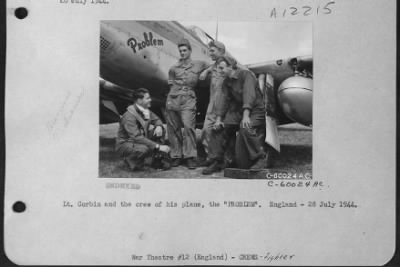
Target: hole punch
x,y
19,207
21,12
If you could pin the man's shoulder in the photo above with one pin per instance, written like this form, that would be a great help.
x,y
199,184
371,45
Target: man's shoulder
x,y
129,115
199,65
199,62
242,72
176,65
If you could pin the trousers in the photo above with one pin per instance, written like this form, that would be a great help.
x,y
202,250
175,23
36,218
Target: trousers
x,y
237,146
207,130
181,113
137,154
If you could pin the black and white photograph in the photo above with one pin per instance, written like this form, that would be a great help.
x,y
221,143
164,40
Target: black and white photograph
x,y
231,101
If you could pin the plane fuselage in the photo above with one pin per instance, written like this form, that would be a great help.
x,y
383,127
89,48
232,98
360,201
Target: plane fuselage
x,y
140,53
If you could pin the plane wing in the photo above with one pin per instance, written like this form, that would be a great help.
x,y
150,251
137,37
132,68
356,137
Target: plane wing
x,y
283,68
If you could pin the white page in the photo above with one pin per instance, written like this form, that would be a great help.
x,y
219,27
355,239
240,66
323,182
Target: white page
x,y
52,148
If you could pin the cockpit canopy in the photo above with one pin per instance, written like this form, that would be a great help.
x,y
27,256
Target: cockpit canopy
x,y
200,34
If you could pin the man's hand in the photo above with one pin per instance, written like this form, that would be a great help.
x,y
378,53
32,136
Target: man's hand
x,y
246,122
164,148
158,131
203,74
218,124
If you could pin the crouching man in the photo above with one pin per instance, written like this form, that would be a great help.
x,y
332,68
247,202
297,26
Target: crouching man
x,y
141,135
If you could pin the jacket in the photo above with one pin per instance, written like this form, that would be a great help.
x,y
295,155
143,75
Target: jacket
x,y
134,128
239,92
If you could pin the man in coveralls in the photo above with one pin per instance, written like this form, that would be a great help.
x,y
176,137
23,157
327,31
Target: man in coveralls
x,y
239,108
141,134
215,49
181,106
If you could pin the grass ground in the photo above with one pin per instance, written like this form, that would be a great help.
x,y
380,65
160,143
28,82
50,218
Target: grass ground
x,y
296,153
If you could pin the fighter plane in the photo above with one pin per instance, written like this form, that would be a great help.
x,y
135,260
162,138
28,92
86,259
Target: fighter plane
x,y
137,54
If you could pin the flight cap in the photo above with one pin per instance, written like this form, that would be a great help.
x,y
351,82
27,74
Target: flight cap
x,y
217,44
229,60
185,42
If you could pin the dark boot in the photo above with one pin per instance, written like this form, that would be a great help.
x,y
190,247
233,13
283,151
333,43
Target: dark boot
x,y
204,162
214,167
191,163
166,164
259,164
134,165
270,156
175,162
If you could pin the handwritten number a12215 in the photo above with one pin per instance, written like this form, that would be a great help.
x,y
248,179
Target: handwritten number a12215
x,y
307,10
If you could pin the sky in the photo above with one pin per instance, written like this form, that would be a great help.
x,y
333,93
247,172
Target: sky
x,y
255,42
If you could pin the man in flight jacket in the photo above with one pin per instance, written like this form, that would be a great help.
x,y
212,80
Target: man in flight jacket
x,y
141,134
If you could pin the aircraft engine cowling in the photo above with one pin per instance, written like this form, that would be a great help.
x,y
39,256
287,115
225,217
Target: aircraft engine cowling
x,y
295,97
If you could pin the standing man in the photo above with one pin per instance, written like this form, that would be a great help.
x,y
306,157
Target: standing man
x,y
138,132
181,106
239,108
216,49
